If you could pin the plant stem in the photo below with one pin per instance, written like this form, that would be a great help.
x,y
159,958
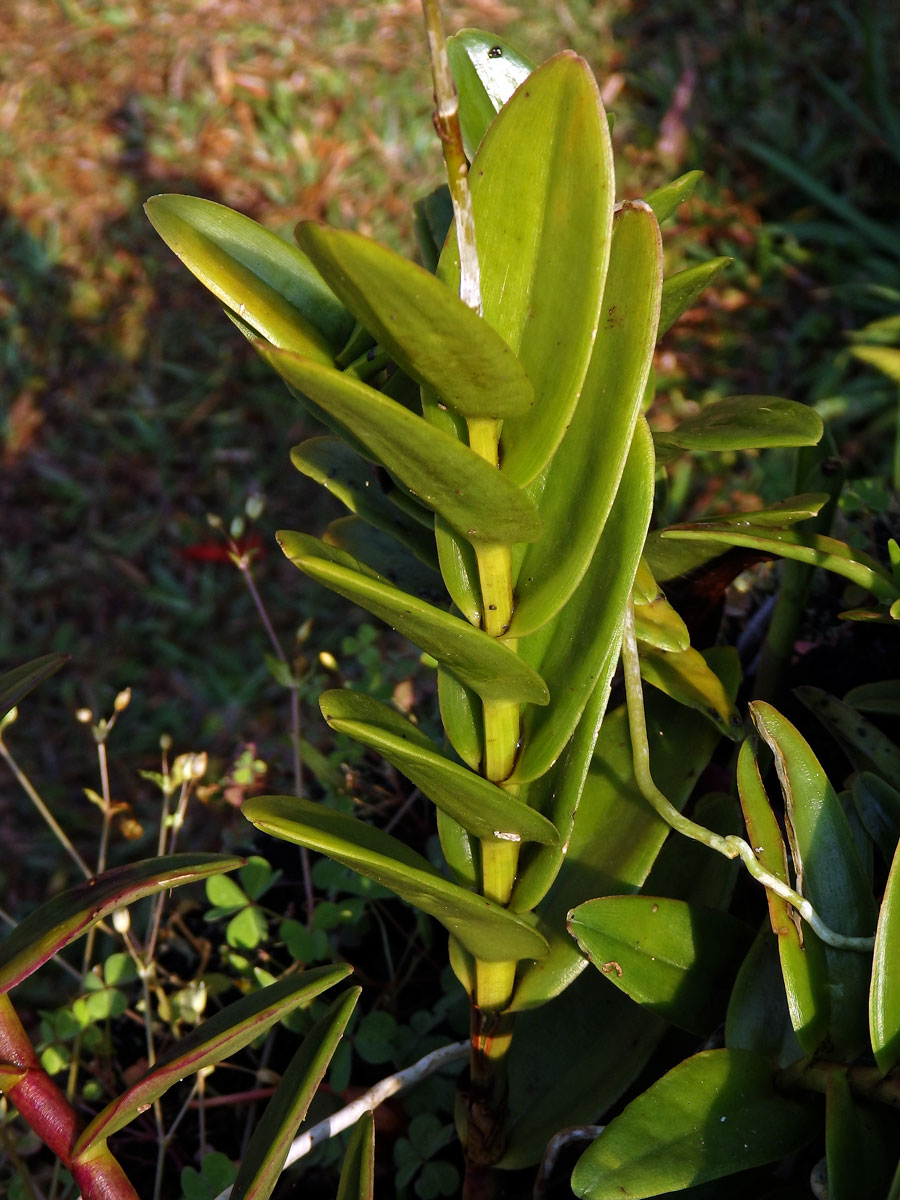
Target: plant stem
x,y
731,846
32,794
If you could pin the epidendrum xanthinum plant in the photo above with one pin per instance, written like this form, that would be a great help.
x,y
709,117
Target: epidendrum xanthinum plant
x,y
487,435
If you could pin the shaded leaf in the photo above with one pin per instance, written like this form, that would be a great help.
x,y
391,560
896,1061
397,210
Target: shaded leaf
x,y
758,1018
878,806
884,996
484,928
864,744
358,1172
713,1115
16,684
860,1144
72,913
682,290
747,422
881,697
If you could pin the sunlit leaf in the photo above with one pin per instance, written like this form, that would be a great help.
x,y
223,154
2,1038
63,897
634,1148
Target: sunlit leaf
x,y
682,290
486,71
712,1115
884,996
484,928
685,676
72,913
746,422
357,1180
658,624
664,200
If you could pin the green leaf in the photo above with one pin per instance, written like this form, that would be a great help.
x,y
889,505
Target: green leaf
x,y
355,482
486,71
658,624
225,893
685,676
542,194
70,914
578,651
268,283
801,953
484,928
860,1144
219,1036
481,662
747,422
683,289
387,557
246,930
428,331
676,959
713,1115
482,808
570,1061
665,200
432,217
576,492
881,697
479,501
864,744
616,836
268,1149
826,860
746,529
878,806
885,358
358,1172
758,1017
884,996
462,718
18,683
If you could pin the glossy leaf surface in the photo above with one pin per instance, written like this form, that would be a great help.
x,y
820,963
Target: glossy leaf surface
x,y
486,71
884,996
675,959
616,835
481,807
665,200
70,914
267,282
476,499
481,662
685,676
682,290
462,719
801,954
268,1148
658,624
331,463
485,929
578,652
18,683
713,1115
358,1171
221,1035
833,878
579,486
427,330
542,195
747,422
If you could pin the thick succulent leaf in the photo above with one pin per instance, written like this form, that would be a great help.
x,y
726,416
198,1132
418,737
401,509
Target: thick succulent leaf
x,y
462,718
676,959
865,745
330,462
481,662
745,423
860,1144
578,651
802,955
221,1035
427,330
16,684
881,697
70,914
486,71
459,569
264,280
484,928
388,557
268,1149
542,194
616,835
475,498
816,549
683,289
829,870
884,996
571,1061
878,806
577,490
685,676
713,1115
665,200
482,808
357,1180
658,624
432,218
758,1017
